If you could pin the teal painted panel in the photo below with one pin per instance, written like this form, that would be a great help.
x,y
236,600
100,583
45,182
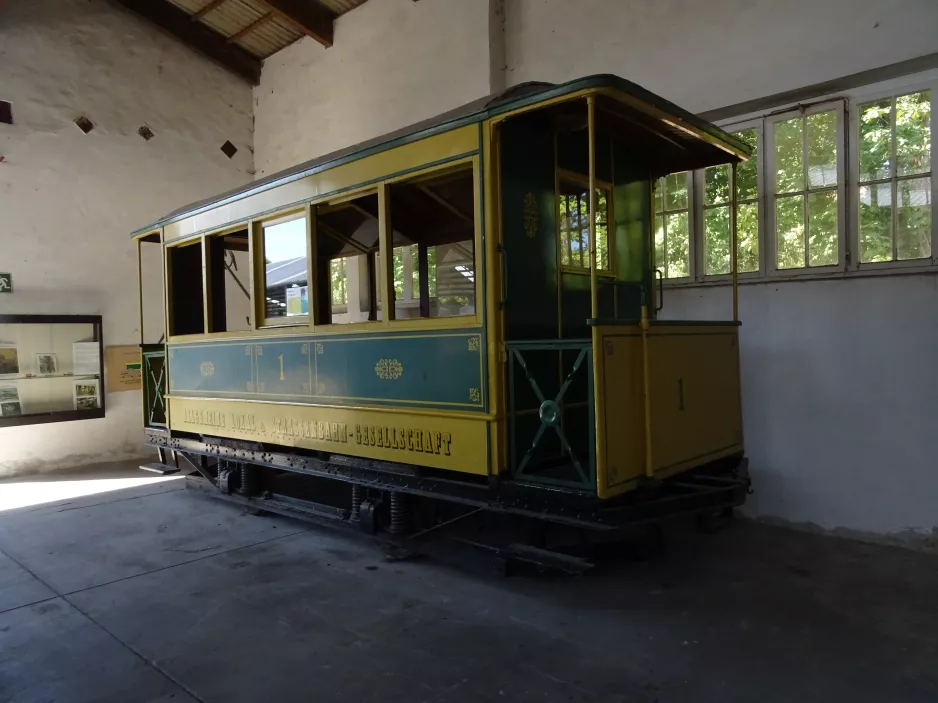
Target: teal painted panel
x,y
283,368
439,369
443,370
211,368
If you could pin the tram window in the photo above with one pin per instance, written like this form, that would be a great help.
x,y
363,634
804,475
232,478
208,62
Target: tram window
x,y
186,298
574,226
433,225
230,300
347,249
286,281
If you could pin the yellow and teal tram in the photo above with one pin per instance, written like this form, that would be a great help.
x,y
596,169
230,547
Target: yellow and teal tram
x,y
465,312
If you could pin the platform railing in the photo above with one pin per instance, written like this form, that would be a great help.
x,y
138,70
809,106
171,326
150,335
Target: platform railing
x,y
154,384
562,450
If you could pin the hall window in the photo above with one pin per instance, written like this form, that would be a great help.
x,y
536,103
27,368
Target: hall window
x,y
228,281
718,185
285,251
434,265
895,188
806,182
574,205
348,260
672,225
186,295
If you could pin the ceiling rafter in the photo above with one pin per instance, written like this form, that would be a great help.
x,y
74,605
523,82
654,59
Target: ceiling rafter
x,y
179,24
256,24
314,19
240,34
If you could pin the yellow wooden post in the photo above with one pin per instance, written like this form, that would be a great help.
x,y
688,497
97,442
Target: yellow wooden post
x,y
733,255
598,395
646,387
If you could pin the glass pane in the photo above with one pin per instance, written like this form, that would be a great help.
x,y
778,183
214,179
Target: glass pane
x,y
789,225
913,133
717,240
875,140
876,223
229,264
913,236
747,183
347,245
435,215
678,246
822,228
676,191
602,230
789,170
747,237
716,185
564,230
661,261
338,273
286,279
822,149
659,195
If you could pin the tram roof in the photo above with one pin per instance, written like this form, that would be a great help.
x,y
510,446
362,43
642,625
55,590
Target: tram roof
x,y
682,127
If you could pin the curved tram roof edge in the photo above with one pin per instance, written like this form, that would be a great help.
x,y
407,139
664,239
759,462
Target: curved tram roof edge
x,y
513,98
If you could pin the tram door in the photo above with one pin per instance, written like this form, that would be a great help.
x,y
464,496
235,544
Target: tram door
x,y
549,361
152,329
545,204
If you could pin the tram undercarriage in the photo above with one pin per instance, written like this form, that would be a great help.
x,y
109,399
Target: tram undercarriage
x,y
417,511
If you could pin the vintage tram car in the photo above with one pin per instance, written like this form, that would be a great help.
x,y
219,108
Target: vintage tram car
x,y
464,313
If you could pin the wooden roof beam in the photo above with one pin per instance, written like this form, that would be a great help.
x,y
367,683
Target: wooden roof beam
x,y
214,4
313,19
244,31
196,35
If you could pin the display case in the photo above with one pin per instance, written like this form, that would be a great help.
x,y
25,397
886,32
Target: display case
x,y
51,369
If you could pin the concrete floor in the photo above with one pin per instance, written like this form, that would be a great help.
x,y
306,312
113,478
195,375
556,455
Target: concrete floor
x,y
153,593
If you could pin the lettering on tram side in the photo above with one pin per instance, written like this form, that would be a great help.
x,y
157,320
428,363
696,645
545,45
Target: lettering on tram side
x,y
410,439
310,429
403,439
220,420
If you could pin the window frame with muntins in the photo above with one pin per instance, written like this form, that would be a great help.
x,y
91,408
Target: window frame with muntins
x,y
665,212
580,181
259,287
894,178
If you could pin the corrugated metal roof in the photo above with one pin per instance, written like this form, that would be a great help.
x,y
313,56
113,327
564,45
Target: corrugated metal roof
x,y
232,16
340,7
271,37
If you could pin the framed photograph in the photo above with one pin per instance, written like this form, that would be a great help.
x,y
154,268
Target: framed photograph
x,y
86,394
10,401
9,360
47,364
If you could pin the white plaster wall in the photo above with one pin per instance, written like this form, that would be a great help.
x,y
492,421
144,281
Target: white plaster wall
x,y
706,55
394,62
69,200
839,402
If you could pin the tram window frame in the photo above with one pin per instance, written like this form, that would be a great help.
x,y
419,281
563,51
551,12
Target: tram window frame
x,y
218,290
468,167
259,255
322,277
580,181
194,285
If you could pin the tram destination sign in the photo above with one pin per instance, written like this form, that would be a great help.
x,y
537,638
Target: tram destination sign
x,y
6,282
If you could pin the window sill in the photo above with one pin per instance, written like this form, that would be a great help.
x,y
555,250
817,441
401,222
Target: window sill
x,y
868,271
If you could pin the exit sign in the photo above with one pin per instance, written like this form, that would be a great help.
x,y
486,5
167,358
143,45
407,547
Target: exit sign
x,y
6,282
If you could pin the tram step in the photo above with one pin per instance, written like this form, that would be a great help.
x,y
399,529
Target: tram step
x,y
158,468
